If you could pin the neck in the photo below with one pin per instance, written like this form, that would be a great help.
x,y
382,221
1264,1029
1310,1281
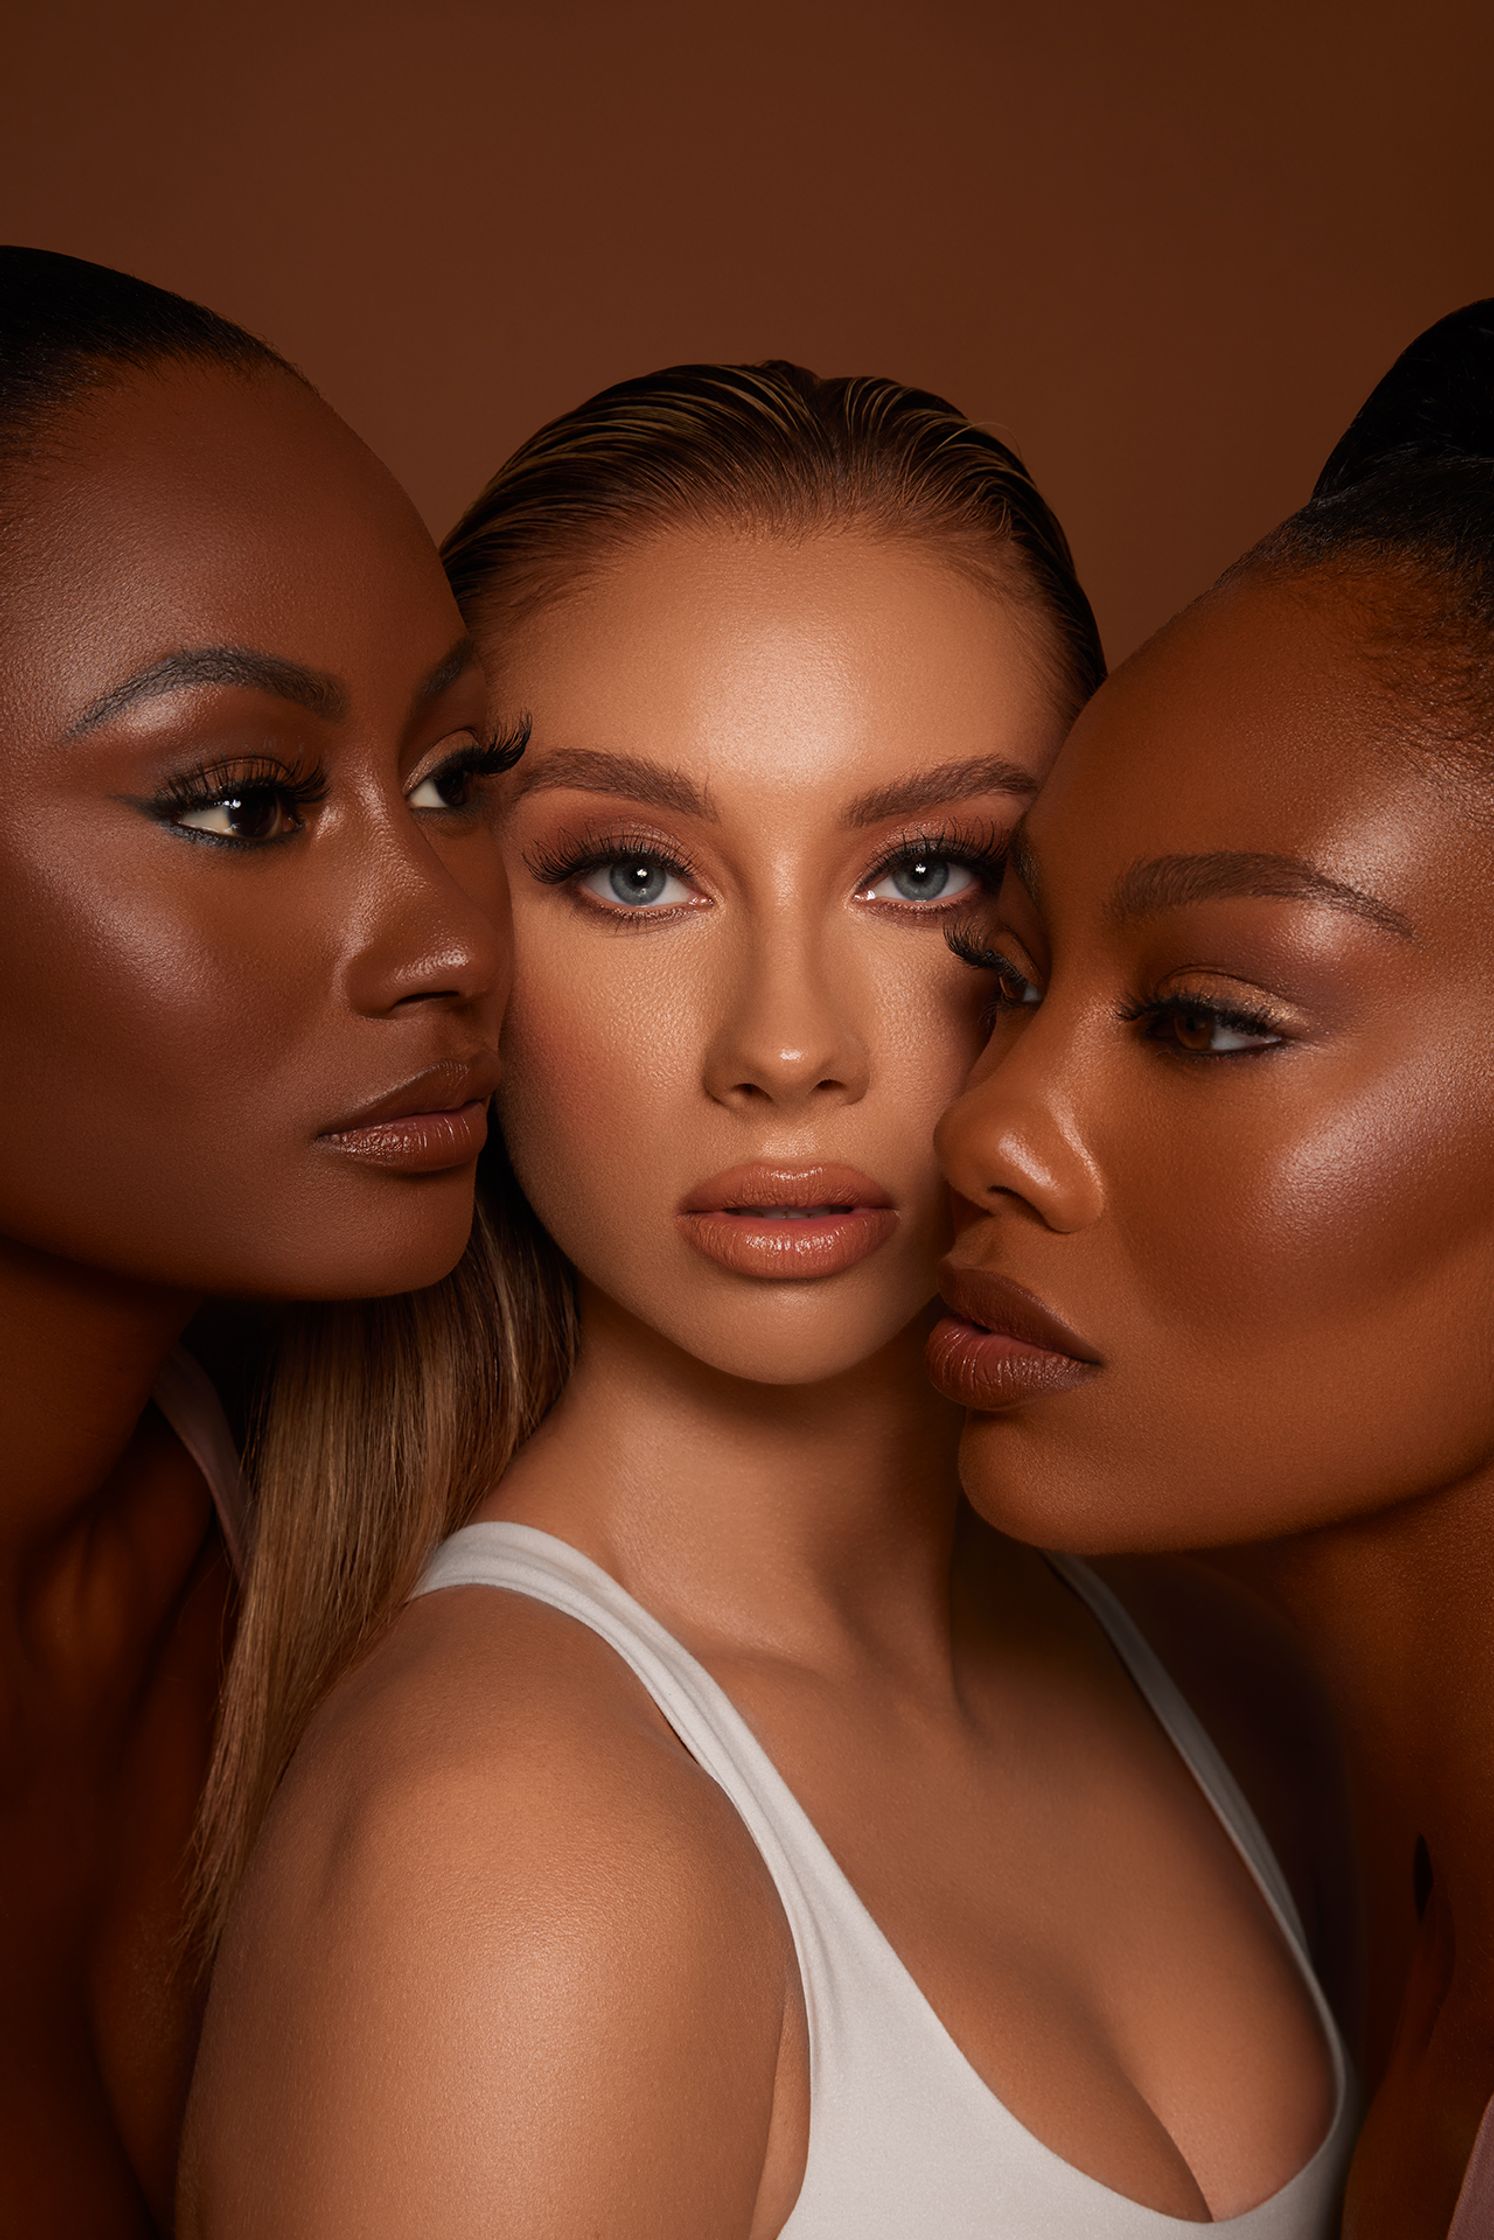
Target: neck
x,y
81,1353
759,1513
1397,1611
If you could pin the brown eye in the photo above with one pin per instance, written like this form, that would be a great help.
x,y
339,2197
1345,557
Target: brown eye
x,y
1014,991
1193,1030
246,813
1201,1032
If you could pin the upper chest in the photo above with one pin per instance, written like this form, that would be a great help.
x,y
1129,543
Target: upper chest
x,y
1065,1900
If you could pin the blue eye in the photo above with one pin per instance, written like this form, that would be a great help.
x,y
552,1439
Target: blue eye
x,y
638,882
920,877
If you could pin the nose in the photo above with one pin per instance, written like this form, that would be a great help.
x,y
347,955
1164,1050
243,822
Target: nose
x,y
417,936
1017,1133
788,1037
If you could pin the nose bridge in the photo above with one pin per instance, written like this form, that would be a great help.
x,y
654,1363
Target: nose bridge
x,y
414,932
788,1029
1020,1129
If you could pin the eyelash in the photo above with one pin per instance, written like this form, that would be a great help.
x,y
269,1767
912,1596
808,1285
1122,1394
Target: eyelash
x,y
485,758
262,777
979,848
1154,1011
252,777
1239,1016
558,865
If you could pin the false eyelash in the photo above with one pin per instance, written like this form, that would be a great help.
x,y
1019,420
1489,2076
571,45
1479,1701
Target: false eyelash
x,y
981,848
1248,1021
554,865
211,782
502,750
485,758
969,950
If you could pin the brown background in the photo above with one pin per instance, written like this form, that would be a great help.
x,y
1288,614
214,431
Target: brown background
x,y
1165,246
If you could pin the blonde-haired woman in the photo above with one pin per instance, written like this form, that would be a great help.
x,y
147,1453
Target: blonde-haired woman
x,y
778,1850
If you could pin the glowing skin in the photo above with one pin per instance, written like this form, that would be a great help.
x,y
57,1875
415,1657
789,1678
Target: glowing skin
x,y
781,1003
199,1015
1266,1205
246,1052
495,1889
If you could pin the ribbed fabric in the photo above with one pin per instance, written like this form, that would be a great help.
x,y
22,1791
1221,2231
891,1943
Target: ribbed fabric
x,y
905,2141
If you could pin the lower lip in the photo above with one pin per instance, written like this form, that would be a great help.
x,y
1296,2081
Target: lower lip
x,y
982,1369
420,1143
792,1250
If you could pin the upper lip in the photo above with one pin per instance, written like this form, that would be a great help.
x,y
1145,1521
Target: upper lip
x,y
995,1303
443,1087
775,1183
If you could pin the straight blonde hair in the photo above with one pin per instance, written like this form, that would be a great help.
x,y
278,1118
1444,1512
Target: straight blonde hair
x,y
382,1424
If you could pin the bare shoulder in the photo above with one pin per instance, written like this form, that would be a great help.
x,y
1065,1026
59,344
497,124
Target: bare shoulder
x,y
495,1893
1245,1675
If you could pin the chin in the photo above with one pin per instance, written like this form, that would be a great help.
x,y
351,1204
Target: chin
x,y
1025,1486
380,1263
771,1342
1113,1498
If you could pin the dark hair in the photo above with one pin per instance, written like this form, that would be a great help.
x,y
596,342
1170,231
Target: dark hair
x,y
776,448
379,1423
67,325
1405,509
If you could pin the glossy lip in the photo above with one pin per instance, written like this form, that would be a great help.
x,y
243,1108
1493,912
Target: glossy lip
x,y
1000,1345
833,1217
436,1120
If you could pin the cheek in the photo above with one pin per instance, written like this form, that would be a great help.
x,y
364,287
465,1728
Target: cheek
x,y
130,998
600,1049
167,1055
1302,1310
1315,1203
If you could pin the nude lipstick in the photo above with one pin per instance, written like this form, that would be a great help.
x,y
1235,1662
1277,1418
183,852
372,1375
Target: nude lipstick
x,y
787,1224
431,1123
999,1345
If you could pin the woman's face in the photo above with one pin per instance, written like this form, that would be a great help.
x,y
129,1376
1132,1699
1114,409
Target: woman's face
x,y
239,920
1233,1128
763,779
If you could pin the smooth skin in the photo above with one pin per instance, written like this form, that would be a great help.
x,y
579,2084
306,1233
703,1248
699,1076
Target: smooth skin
x,y
206,968
504,1935
1234,1127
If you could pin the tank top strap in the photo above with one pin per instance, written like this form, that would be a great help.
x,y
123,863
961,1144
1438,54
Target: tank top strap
x,y
904,2136
187,1398
527,1561
1170,1709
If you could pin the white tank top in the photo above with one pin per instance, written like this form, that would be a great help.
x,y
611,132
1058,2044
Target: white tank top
x,y
906,2142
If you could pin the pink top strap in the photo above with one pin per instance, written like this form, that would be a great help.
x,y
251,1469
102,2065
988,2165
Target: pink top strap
x,y
186,1397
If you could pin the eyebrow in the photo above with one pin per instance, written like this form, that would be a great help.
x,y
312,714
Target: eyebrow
x,y
948,781
633,776
1166,882
1020,858
456,663
192,666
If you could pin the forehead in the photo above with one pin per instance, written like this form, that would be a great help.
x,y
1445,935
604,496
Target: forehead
x,y
191,506
807,666
1254,721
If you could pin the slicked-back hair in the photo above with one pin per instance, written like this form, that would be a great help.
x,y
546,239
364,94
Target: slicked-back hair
x,y
1403,513
777,449
67,327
